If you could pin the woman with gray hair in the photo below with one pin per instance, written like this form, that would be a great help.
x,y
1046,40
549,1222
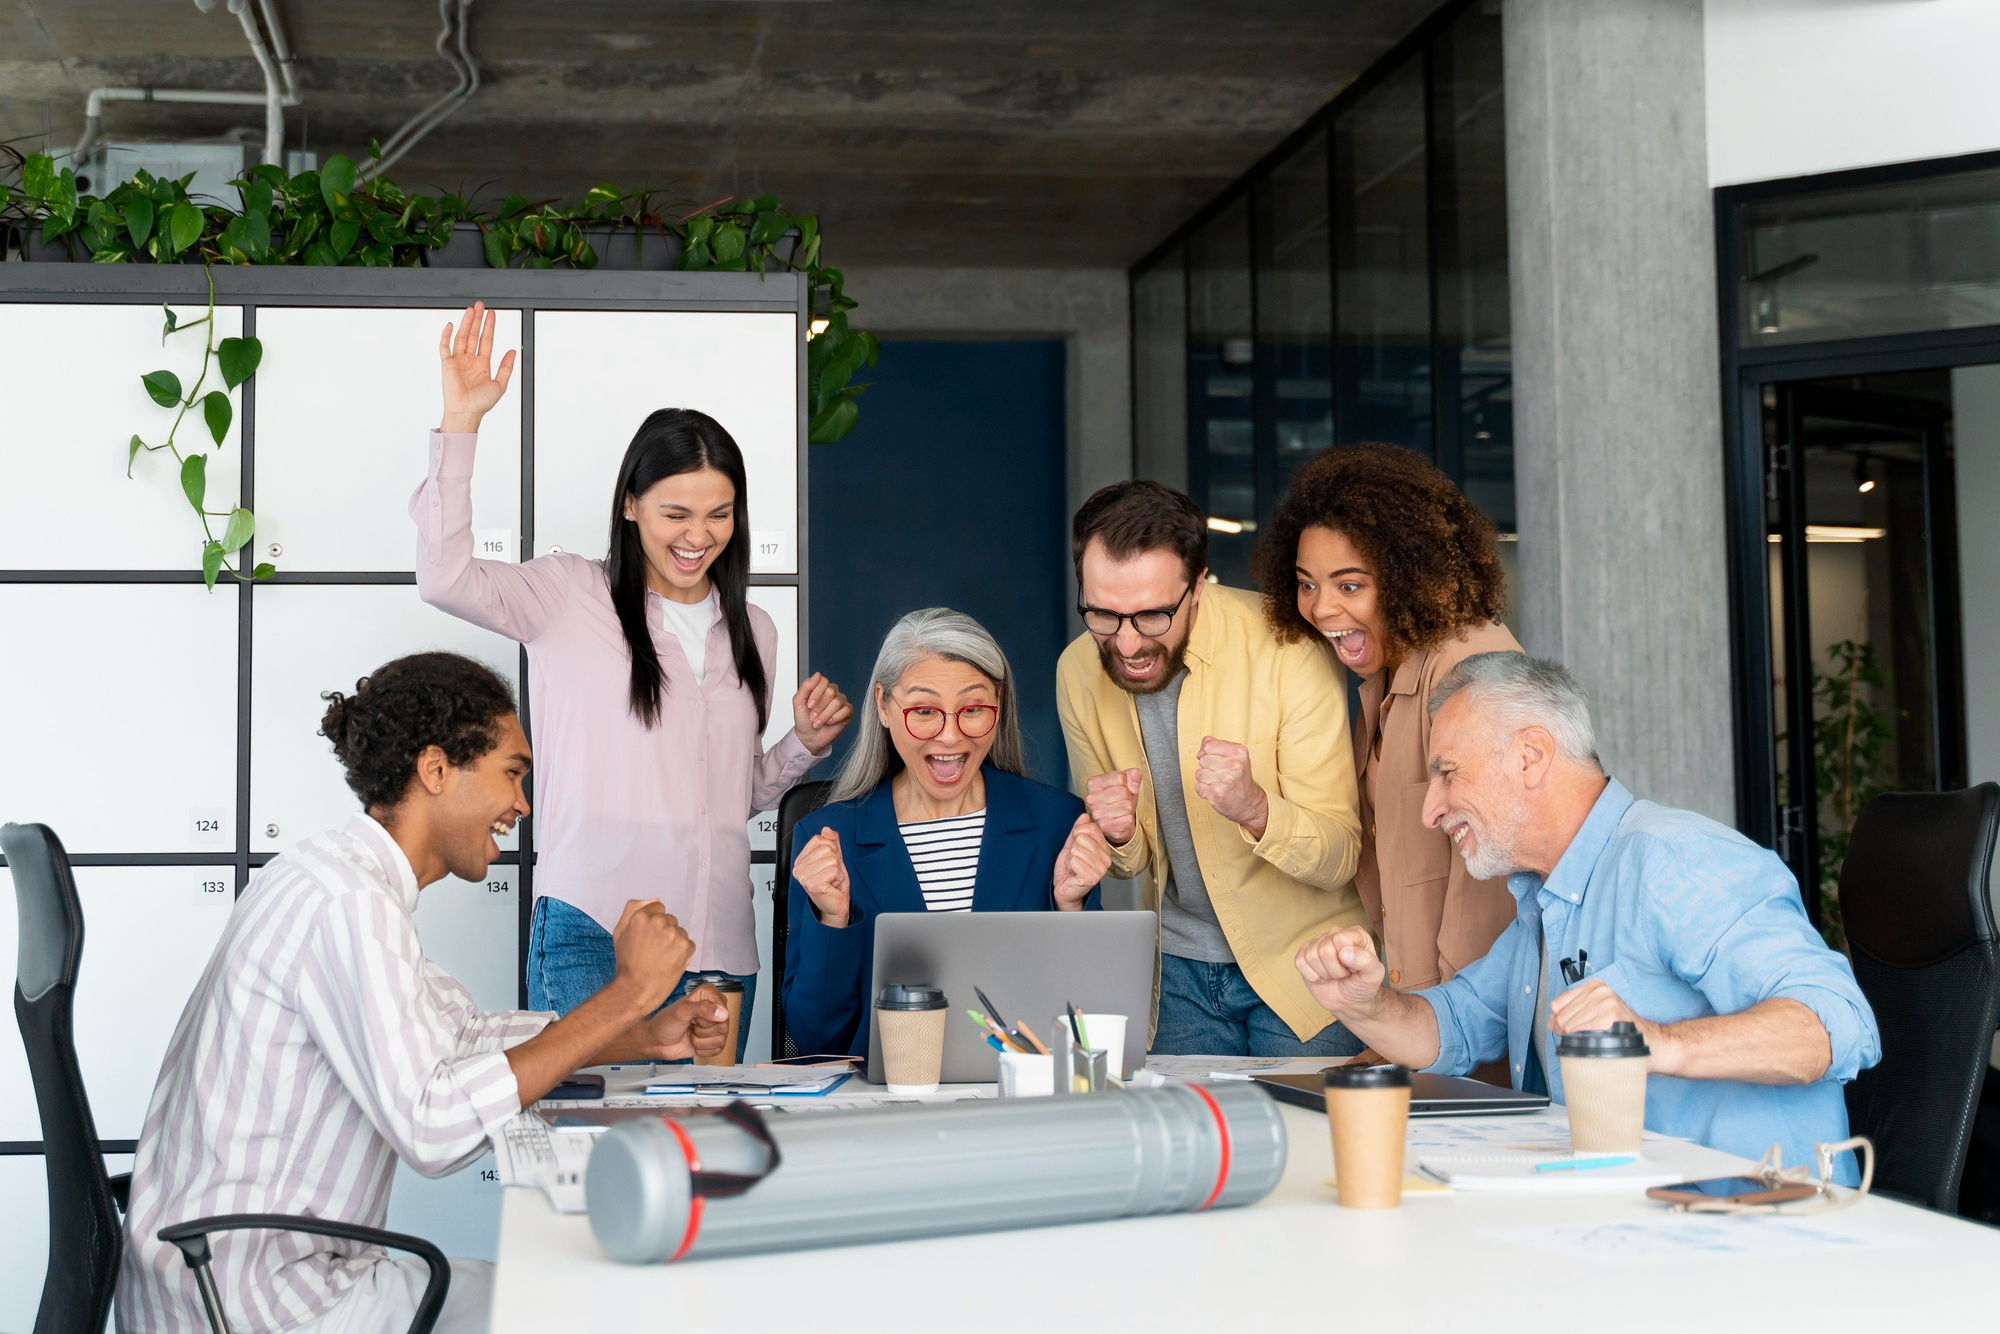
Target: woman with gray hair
x,y
933,811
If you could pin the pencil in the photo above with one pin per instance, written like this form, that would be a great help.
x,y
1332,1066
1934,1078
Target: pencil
x,y
1028,1033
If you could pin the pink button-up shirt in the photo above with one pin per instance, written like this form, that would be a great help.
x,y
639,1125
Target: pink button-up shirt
x,y
621,811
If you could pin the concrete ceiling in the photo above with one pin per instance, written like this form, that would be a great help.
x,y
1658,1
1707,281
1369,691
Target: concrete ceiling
x,y
962,132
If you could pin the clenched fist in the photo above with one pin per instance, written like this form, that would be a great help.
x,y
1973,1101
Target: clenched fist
x,y
1113,802
695,1025
1222,779
1342,970
651,952
819,713
822,873
1084,859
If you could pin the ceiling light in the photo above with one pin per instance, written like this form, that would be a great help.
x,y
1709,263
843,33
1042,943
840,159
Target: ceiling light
x,y
1216,525
1862,481
815,329
1834,532
1866,486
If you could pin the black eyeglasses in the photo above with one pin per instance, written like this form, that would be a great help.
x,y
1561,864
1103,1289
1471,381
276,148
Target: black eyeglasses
x,y
1151,623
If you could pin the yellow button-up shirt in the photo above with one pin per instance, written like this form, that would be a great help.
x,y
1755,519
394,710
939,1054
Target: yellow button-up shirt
x,y
1287,704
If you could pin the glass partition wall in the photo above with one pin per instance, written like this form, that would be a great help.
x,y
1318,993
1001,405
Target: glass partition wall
x,y
1860,315
1351,288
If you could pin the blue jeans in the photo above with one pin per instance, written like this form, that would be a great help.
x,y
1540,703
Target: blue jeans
x,y
570,959
1209,1009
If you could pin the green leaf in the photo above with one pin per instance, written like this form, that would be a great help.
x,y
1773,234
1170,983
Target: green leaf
x,y
38,175
834,422
319,252
769,227
194,479
139,220
238,358
164,387
242,523
342,236
495,248
336,180
728,243
211,561
172,321
215,409
264,570
184,226
132,455
250,233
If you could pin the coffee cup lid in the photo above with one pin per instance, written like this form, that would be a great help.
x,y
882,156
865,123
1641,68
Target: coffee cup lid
x,y
720,981
1621,1039
1367,1077
910,996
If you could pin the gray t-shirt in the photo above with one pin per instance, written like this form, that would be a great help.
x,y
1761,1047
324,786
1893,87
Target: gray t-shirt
x,y
1188,928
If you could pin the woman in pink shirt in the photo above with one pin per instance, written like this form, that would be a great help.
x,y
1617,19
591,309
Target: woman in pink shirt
x,y
648,685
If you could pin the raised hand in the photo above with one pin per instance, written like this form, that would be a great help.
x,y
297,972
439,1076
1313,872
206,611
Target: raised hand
x,y
1113,802
822,872
1342,970
1084,859
470,386
1222,779
820,713
651,952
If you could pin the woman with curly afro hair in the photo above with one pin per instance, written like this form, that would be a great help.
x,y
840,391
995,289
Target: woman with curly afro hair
x,y
1376,551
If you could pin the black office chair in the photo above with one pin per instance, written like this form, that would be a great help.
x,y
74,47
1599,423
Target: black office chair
x,y
793,807
1920,927
85,1201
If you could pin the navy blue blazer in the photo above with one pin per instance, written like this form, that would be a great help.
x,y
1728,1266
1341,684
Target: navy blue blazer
x,y
827,971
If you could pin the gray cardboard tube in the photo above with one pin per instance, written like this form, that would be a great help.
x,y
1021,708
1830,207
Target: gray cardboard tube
x,y
889,1173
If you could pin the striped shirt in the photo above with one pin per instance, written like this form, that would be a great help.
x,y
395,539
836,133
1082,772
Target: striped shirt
x,y
319,1047
945,854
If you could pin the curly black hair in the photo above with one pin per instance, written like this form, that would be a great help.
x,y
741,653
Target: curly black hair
x,y
1432,551
403,707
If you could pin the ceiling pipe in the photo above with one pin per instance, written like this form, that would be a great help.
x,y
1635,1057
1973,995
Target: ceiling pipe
x,y
280,89
463,65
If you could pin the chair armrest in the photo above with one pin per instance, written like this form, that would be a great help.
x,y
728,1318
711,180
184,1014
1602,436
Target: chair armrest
x,y
121,1191
192,1240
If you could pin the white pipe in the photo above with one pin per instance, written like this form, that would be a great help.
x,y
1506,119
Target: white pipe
x,y
273,99
421,124
279,47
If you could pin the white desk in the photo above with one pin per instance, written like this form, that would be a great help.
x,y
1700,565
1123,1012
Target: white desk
x,y
1296,1258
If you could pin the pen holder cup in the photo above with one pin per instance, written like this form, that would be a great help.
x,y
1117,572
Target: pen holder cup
x,y
1026,1076
1105,1031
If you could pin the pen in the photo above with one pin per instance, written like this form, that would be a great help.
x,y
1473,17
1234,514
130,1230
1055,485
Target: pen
x,y
994,1043
999,1020
1586,1164
1076,1026
993,1030
1029,1034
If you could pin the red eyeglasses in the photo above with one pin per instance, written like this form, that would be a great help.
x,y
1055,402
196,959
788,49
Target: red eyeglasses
x,y
925,722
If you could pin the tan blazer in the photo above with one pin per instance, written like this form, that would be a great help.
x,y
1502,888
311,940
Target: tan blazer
x,y
1433,918
1288,705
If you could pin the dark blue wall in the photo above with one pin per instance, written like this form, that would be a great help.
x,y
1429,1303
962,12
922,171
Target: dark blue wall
x,y
949,492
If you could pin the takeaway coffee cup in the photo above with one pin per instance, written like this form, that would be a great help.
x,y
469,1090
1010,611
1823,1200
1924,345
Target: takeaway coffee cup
x,y
911,1018
1604,1088
732,998
1368,1109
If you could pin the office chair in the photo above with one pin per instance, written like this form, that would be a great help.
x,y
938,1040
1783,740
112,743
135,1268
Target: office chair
x,y
1920,928
86,1238
793,807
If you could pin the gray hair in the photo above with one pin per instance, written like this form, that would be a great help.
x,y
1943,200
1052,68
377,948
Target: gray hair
x,y
1519,691
932,632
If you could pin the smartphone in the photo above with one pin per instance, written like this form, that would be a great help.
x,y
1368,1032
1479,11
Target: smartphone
x,y
1731,1190
579,1086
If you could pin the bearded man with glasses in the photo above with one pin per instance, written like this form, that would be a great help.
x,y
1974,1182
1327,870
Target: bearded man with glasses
x,y
1216,761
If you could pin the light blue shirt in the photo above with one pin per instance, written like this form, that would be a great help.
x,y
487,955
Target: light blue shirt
x,y
1683,918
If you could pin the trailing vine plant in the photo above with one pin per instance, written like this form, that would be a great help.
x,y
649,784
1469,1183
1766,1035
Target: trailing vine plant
x,y
235,360
1851,737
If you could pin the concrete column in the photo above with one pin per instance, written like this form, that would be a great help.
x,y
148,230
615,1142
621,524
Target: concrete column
x,y
1618,452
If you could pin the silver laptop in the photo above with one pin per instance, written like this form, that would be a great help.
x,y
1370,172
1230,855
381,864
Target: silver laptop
x,y
1030,964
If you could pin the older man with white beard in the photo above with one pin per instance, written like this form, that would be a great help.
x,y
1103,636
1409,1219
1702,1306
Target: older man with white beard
x,y
1655,916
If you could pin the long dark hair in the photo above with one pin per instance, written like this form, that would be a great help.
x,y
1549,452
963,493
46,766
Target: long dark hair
x,y
668,443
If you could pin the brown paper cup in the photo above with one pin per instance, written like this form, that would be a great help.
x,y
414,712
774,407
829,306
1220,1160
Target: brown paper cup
x,y
1369,1126
912,1049
1606,1101
733,1000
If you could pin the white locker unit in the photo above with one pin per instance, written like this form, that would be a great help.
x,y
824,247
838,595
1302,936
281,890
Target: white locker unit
x,y
169,733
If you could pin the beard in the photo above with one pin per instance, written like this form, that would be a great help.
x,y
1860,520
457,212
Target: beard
x,y
1497,841
1174,658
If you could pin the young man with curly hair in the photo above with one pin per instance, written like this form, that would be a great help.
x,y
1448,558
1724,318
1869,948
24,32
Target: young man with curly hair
x,y
1215,758
321,1045
1376,554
